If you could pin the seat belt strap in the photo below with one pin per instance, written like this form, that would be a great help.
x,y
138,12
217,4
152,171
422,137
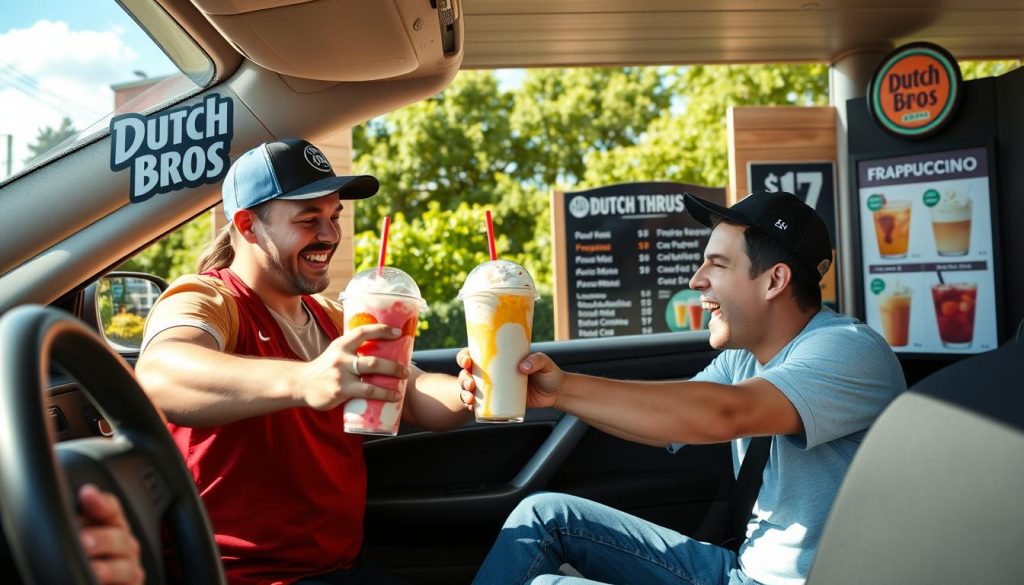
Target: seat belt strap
x,y
744,492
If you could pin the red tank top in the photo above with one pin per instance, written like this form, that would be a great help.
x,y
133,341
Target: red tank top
x,y
285,491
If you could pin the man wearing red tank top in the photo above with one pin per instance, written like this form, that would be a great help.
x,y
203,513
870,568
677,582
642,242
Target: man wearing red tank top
x,y
250,365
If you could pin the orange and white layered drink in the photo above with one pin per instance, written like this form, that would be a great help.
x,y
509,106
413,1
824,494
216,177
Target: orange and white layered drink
x,y
498,297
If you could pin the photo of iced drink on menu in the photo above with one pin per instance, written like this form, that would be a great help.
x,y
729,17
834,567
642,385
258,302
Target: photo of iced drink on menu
x,y
696,314
680,308
390,296
954,312
892,228
498,296
951,223
894,307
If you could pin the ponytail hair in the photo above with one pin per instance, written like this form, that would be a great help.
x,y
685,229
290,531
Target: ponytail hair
x,y
218,253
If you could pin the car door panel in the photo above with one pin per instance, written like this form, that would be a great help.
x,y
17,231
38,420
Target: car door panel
x,y
434,493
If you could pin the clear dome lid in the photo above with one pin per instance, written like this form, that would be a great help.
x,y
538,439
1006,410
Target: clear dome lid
x,y
502,276
391,281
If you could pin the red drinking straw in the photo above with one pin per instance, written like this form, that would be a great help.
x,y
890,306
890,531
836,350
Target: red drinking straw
x,y
383,245
490,237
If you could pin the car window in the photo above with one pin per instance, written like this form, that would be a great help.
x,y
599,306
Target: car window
x,y
67,67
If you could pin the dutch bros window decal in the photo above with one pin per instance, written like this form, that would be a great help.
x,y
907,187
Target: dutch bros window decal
x,y
174,149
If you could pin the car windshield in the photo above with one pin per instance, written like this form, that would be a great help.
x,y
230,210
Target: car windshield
x,y
67,67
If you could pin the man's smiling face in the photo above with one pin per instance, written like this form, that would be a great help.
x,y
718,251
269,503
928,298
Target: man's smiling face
x,y
298,239
736,301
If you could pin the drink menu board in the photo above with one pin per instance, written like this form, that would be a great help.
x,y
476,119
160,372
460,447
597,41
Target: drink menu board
x,y
927,250
624,255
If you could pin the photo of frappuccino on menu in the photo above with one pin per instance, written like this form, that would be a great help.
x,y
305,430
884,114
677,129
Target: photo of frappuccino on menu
x,y
951,223
894,308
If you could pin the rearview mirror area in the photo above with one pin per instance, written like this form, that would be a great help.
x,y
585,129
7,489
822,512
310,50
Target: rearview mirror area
x,y
122,302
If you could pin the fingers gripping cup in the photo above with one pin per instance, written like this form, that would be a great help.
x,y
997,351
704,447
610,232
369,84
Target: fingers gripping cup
x,y
389,296
498,296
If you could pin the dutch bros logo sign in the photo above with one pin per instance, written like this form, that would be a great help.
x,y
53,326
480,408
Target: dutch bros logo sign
x,y
915,91
174,149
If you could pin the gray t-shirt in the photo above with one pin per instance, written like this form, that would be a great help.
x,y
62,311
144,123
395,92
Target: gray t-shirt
x,y
839,374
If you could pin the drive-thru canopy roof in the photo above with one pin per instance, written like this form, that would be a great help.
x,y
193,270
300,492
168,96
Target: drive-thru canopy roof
x,y
550,33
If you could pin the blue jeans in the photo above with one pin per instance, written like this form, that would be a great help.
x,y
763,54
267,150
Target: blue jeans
x,y
603,544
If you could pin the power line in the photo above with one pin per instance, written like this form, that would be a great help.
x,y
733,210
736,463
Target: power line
x,y
30,87
33,83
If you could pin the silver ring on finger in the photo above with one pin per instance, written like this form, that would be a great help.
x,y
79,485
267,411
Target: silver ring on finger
x,y
355,366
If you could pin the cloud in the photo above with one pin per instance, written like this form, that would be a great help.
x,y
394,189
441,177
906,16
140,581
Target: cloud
x,y
49,71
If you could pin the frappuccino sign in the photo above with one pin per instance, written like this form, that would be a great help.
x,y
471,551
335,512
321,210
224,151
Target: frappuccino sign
x,y
916,90
927,250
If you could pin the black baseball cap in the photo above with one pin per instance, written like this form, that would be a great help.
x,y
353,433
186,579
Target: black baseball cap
x,y
783,216
287,169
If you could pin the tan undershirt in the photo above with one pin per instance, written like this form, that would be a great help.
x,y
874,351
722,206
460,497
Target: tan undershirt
x,y
306,340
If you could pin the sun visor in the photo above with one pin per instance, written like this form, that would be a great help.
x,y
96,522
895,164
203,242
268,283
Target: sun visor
x,y
344,40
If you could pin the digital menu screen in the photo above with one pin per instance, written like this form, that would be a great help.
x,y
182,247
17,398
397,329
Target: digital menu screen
x,y
624,255
927,251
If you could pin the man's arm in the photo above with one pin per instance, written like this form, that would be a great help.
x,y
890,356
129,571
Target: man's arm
x,y
432,402
659,413
196,384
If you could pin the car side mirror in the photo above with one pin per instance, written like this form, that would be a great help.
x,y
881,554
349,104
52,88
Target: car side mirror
x,y
118,304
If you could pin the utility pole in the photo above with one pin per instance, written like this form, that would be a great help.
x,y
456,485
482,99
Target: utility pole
x,y
10,143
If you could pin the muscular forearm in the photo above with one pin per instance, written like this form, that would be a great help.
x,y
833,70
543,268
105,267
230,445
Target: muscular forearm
x,y
617,432
200,387
432,402
652,413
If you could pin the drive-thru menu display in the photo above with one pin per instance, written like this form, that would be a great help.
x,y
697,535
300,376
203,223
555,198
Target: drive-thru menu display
x,y
623,259
927,250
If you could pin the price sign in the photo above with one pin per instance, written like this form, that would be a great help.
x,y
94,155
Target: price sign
x,y
624,256
814,182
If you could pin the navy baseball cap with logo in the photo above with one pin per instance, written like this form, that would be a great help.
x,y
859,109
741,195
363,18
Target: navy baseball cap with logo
x,y
783,216
287,169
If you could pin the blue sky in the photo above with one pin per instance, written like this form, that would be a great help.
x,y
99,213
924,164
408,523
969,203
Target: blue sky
x,y
84,15
59,58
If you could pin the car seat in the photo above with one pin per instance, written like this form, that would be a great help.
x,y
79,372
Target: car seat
x,y
933,494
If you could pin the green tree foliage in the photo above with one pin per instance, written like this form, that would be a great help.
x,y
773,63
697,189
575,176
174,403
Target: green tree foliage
x,y
564,114
978,69
688,143
126,329
49,137
176,253
450,148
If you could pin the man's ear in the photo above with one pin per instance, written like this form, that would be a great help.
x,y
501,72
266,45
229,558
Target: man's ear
x,y
245,224
779,278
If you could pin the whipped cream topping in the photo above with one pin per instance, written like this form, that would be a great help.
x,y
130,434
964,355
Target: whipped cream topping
x,y
952,200
392,281
499,275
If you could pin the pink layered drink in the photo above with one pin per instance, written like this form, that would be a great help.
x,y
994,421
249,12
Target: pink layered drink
x,y
391,298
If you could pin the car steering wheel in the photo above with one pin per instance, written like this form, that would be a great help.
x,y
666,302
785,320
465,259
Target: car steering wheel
x,y
141,465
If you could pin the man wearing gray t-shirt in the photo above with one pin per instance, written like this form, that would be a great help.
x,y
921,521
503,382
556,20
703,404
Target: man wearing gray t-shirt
x,y
810,378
